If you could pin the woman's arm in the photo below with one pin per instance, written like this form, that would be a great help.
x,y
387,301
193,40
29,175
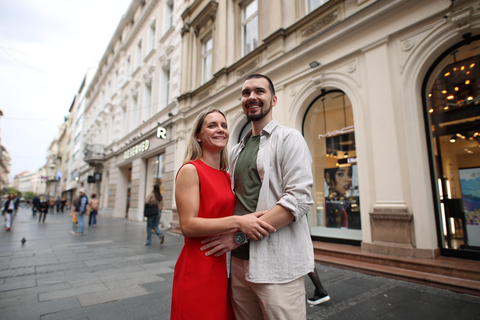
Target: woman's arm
x,y
187,195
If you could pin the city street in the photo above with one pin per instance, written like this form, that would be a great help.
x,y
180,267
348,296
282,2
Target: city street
x,y
109,274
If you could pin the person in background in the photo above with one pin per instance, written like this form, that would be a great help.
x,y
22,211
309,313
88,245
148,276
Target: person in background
x,y
92,219
9,211
35,205
205,204
43,211
58,204
63,203
51,204
154,198
271,169
320,295
80,208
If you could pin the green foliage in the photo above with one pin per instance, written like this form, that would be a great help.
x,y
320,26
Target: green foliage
x,y
29,195
11,190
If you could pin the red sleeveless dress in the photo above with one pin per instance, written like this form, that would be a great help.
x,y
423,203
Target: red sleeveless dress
x,y
200,284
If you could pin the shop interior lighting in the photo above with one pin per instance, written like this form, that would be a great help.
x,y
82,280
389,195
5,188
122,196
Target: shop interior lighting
x,y
452,139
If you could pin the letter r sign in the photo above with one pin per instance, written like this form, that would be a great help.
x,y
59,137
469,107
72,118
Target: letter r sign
x,y
161,133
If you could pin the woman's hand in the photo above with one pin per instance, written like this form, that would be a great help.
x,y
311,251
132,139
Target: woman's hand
x,y
253,227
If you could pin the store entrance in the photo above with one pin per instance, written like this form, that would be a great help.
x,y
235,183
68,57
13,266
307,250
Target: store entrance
x,y
452,103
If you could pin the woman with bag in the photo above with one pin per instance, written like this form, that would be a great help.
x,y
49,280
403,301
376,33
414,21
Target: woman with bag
x,y
153,211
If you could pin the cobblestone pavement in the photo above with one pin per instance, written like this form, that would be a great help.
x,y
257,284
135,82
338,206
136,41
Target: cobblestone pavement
x,y
109,274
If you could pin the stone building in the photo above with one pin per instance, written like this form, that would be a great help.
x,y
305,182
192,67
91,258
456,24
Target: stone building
x,y
129,107
385,93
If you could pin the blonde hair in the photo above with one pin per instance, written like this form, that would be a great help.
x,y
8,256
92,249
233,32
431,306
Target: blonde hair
x,y
194,149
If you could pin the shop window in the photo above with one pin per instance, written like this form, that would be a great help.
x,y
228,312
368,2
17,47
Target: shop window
x,y
329,131
155,173
452,104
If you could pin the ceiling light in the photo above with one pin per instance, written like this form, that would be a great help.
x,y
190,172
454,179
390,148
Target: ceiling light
x,y
452,139
314,64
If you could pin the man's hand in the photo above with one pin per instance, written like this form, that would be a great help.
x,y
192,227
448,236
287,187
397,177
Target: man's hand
x,y
220,243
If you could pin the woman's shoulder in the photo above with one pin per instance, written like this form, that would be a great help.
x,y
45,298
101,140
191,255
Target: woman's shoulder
x,y
187,169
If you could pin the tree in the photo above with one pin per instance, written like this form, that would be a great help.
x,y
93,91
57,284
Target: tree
x,y
29,195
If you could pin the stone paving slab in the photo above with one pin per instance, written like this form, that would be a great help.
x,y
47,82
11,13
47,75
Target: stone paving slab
x,y
111,295
109,274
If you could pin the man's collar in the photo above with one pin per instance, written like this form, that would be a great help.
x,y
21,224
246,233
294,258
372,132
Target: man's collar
x,y
266,130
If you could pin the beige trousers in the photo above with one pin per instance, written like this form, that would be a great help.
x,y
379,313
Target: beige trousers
x,y
259,301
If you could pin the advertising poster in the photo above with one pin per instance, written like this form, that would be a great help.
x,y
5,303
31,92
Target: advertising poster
x,y
342,207
470,185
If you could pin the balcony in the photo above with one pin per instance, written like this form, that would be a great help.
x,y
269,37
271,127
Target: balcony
x,y
94,154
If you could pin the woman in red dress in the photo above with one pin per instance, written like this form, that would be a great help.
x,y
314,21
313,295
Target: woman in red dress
x,y
205,204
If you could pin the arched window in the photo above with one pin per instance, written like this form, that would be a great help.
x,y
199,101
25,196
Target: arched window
x,y
451,95
329,131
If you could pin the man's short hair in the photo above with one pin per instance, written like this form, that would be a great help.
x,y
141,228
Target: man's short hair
x,y
258,75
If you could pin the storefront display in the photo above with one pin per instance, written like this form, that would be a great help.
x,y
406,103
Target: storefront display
x,y
329,132
452,101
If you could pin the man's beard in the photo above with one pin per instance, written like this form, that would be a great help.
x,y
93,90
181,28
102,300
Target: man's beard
x,y
259,116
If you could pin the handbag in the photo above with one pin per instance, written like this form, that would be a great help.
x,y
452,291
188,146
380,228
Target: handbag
x,y
150,210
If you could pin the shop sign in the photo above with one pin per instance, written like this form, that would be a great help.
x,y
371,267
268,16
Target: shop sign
x,y
137,149
161,133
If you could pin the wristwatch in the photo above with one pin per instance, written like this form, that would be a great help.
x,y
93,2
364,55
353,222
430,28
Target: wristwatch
x,y
240,237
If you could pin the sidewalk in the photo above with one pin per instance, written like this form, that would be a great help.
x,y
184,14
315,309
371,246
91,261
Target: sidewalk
x,y
109,274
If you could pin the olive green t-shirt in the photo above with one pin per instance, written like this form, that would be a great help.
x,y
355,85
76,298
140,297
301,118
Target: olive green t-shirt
x,y
247,186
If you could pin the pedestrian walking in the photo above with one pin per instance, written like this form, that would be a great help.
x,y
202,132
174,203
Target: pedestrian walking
x,y
320,295
155,201
9,211
35,205
92,219
43,211
80,208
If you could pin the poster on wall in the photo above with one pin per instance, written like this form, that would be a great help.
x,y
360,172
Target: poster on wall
x,y
342,202
470,185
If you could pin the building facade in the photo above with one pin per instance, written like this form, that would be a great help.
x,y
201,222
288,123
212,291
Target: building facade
x,y
386,100
379,94
129,106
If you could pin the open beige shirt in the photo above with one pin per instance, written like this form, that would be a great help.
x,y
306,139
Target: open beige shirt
x,y
284,164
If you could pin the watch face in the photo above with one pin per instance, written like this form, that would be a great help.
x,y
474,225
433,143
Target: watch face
x,y
240,238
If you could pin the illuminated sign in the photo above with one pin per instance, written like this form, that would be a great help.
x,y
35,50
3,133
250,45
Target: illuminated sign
x,y
137,149
161,133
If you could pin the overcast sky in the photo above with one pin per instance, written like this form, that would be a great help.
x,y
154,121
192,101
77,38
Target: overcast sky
x,y
46,47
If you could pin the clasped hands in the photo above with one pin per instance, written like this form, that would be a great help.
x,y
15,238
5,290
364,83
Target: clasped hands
x,y
250,224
